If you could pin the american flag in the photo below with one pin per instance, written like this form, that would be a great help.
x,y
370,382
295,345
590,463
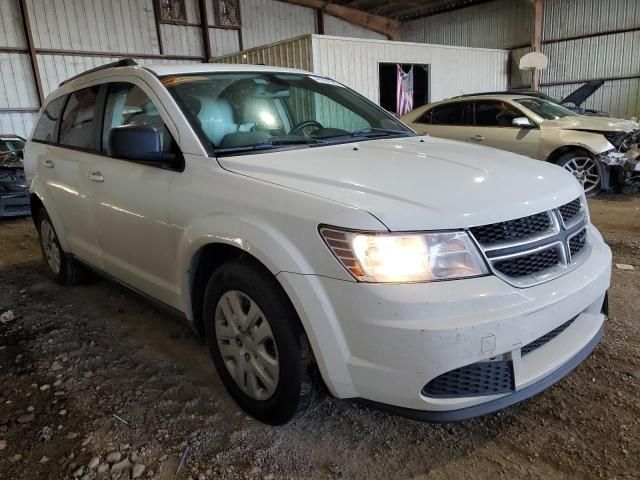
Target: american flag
x,y
404,95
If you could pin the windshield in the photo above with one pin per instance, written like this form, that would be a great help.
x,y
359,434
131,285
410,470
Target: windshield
x,y
241,111
545,109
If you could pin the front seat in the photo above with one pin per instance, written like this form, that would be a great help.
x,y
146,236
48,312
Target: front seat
x,y
260,114
216,119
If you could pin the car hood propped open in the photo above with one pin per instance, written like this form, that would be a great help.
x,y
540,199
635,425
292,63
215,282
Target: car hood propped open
x,y
580,95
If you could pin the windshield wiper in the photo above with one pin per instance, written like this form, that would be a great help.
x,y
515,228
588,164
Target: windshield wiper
x,y
269,144
380,132
285,141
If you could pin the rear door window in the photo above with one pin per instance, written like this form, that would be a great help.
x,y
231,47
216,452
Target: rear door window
x,y
45,129
79,120
450,114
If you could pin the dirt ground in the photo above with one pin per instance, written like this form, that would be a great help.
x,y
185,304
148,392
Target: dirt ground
x,y
93,371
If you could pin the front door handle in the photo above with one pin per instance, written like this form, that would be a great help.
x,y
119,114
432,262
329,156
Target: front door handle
x,y
48,163
96,177
477,138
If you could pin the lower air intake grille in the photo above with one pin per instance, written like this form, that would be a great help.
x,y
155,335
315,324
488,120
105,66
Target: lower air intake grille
x,y
477,379
528,264
537,343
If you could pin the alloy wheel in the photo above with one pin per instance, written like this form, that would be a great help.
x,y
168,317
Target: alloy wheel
x,y
50,245
585,170
247,345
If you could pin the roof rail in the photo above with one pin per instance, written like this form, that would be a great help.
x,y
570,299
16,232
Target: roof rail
x,y
125,62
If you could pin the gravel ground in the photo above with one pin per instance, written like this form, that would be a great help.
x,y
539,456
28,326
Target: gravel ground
x,y
93,379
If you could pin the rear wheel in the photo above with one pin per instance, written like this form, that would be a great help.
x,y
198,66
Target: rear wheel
x,y
585,168
258,345
64,269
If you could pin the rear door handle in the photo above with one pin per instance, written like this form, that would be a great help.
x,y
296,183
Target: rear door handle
x,y
477,138
96,177
48,163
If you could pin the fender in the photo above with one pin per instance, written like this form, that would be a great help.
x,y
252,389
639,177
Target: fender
x,y
278,254
592,142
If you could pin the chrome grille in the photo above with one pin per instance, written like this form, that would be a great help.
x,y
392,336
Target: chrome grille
x,y
534,249
570,210
528,264
578,242
513,229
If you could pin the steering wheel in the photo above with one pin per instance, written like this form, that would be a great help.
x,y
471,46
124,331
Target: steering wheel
x,y
302,125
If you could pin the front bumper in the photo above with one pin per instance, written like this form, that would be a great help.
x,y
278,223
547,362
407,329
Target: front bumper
x,y
501,402
384,343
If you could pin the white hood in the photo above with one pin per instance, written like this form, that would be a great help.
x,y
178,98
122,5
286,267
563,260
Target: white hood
x,y
417,183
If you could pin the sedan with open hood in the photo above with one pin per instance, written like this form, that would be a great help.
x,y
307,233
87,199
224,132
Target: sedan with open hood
x,y
594,149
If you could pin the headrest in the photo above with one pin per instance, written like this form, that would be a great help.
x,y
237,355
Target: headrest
x,y
216,119
261,112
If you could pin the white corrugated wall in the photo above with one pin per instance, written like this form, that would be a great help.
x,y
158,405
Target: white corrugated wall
x,y
354,62
507,24
603,56
341,28
106,27
17,85
453,70
293,53
267,21
497,24
11,34
223,41
126,26
183,39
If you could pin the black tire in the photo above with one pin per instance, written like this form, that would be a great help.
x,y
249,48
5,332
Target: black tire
x,y
70,272
299,384
569,160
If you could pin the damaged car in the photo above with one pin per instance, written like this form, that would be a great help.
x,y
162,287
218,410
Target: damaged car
x,y
14,194
573,101
598,151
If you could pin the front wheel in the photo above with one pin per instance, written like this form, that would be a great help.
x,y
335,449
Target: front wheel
x,y
64,269
258,345
586,169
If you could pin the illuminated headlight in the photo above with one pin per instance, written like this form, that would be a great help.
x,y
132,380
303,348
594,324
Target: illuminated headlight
x,y
397,258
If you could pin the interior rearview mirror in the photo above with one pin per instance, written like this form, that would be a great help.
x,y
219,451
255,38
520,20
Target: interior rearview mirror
x,y
136,142
522,122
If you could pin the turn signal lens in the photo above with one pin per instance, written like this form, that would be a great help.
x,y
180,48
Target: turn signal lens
x,y
399,258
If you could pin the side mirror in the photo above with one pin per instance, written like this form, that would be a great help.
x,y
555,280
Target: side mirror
x,y
522,122
136,142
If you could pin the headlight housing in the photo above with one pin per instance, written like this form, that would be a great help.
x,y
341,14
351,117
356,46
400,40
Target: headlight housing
x,y
405,257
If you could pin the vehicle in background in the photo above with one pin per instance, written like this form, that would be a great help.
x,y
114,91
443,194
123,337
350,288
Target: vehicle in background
x,y
11,146
573,101
312,237
594,149
14,194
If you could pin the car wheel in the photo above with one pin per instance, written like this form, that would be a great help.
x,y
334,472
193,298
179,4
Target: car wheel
x,y
586,169
64,269
258,345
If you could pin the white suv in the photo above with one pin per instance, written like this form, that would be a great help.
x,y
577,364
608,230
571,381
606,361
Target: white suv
x,y
314,239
